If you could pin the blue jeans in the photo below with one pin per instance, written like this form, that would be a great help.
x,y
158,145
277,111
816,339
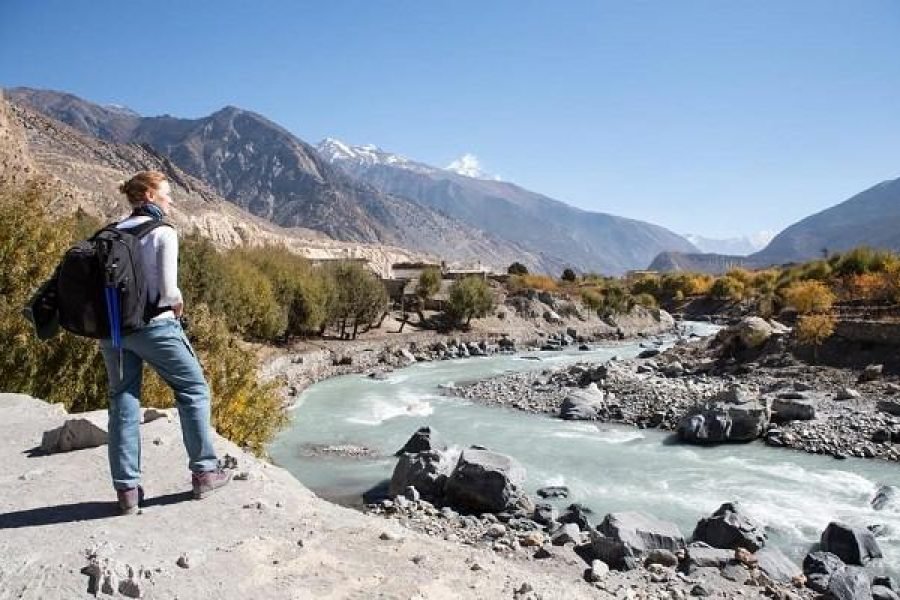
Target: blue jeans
x,y
166,349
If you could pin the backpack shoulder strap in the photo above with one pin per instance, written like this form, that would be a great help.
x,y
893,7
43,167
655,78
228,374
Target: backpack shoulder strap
x,y
145,228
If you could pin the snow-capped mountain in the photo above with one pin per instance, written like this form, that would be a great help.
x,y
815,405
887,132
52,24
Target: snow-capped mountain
x,y
736,246
351,157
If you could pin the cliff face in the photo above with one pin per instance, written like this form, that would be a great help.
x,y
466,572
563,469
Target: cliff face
x,y
83,173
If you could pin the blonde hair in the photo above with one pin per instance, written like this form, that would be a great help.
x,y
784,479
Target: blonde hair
x,y
136,188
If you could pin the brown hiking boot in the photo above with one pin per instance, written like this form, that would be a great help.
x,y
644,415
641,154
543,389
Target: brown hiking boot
x,y
206,483
130,500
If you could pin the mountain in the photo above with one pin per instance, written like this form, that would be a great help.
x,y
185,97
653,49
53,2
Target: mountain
x,y
266,170
736,246
870,218
560,234
667,262
81,172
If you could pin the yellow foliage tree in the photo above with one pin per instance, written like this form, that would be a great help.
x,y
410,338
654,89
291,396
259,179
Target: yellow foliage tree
x,y
814,329
809,297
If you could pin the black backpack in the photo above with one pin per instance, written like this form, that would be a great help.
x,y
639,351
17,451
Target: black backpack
x,y
101,291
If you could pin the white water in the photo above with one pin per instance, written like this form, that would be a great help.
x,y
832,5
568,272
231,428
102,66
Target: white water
x,y
608,468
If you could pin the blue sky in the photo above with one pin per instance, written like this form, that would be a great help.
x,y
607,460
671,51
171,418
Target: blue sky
x,y
716,117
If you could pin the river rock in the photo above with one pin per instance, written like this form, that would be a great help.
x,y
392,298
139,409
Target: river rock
x,y
880,592
624,539
74,434
699,557
749,333
819,567
776,565
886,496
424,439
871,373
426,471
891,407
854,546
850,583
565,534
577,514
545,514
553,491
729,528
649,353
846,393
581,405
485,481
716,422
794,409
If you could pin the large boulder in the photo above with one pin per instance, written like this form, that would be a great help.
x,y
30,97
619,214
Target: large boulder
x,y
748,333
794,409
716,422
582,405
850,583
729,528
819,567
853,545
776,565
624,539
426,471
74,434
423,440
485,481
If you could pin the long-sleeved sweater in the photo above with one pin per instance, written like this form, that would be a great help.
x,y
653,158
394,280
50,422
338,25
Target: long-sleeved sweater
x,y
159,253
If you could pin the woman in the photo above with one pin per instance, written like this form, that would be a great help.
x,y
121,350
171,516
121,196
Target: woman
x,y
163,345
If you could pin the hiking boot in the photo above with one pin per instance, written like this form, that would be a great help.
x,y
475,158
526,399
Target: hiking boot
x,y
206,483
130,500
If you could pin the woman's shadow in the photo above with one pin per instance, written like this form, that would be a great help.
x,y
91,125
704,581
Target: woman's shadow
x,y
79,511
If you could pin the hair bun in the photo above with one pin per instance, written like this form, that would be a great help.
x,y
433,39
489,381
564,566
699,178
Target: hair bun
x,y
123,187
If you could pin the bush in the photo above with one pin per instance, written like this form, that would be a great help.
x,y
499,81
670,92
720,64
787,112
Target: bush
x,y
592,298
429,283
569,275
727,288
861,260
647,284
470,297
517,268
646,300
813,330
808,297
541,283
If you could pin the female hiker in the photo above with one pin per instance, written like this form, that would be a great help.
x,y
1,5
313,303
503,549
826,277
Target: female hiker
x,y
164,346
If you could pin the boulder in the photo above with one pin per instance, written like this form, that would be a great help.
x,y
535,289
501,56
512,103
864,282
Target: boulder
x,y
871,373
854,546
581,404
595,374
485,481
748,333
545,514
880,592
736,394
846,393
426,471
649,353
567,533
424,439
74,434
891,407
406,356
794,409
776,565
624,539
552,317
699,557
577,514
716,422
553,491
886,496
729,528
819,567
850,583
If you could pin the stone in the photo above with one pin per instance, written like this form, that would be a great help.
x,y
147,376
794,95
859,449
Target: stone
x,y
698,557
748,333
794,409
183,561
880,592
624,539
736,394
891,407
662,557
854,546
846,393
776,565
819,567
532,539
674,369
152,414
553,491
74,434
545,513
426,471
577,514
649,353
598,572
729,528
850,583
567,533
871,373
581,404
496,530
717,422
424,439
485,481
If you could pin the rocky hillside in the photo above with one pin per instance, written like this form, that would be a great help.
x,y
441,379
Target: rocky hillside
x,y
667,262
83,172
560,234
264,169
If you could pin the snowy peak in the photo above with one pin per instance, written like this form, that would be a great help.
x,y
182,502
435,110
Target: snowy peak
x,y
738,246
468,165
337,152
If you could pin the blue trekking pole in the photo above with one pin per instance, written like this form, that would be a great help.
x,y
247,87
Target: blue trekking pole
x,y
115,321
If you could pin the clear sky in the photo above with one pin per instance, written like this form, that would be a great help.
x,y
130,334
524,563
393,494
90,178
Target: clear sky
x,y
717,117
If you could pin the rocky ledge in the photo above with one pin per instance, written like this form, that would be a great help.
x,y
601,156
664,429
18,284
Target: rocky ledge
x,y
738,386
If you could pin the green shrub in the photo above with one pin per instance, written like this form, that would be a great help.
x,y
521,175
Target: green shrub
x,y
569,275
517,268
727,288
470,297
646,300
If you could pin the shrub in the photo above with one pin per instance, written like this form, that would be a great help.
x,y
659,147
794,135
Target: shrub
x,y
861,260
542,283
808,297
646,300
813,330
429,283
727,288
592,298
647,284
469,297
869,286
517,268
569,275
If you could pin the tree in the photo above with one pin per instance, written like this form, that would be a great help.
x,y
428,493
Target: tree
x,y
517,268
809,297
359,297
469,297
428,285
813,330
727,288
569,275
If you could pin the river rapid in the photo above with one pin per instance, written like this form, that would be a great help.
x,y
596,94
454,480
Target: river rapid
x,y
606,467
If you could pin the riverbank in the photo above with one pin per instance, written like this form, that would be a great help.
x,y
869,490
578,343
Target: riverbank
x,y
838,412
